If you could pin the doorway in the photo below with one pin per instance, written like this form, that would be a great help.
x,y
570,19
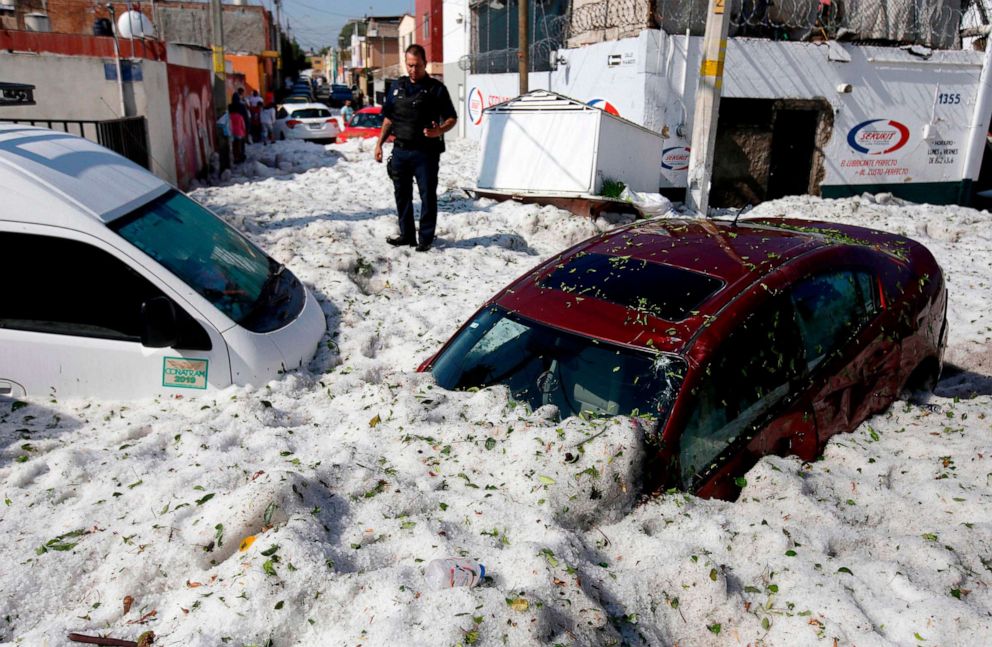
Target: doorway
x,y
769,148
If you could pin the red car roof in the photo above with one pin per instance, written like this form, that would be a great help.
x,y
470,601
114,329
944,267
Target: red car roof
x,y
733,257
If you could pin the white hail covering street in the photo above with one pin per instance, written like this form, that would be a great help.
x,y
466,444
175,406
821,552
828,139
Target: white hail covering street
x,y
353,474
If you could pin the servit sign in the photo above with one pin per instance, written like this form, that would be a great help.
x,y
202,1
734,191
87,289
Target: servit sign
x,y
604,105
475,103
878,136
675,158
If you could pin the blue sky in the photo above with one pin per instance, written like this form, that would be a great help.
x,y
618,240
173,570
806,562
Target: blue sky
x,y
316,23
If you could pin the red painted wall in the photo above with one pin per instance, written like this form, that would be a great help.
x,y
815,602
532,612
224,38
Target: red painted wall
x,y
434,41
78,45
193,129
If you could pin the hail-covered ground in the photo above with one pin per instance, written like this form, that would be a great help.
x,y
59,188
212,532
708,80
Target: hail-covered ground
x,y
304,511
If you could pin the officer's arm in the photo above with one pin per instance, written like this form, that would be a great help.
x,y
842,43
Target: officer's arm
x,y
445,126
387,123
446,108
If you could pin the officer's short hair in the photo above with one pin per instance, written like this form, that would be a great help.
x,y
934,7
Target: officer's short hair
x,y
418,50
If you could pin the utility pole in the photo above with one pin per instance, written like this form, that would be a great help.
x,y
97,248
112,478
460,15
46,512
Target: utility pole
x,y
707,112
979,126
117,58
524,41
278,3
220,90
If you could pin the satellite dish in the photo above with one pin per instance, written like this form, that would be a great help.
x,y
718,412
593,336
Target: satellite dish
x,y
134,24
465,63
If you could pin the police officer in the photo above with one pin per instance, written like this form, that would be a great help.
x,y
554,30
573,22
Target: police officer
x,y
418,111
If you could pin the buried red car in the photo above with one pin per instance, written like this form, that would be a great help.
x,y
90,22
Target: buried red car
x,y
766,336
364,124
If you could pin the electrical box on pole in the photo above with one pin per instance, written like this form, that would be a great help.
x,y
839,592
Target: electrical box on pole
x,y
707,111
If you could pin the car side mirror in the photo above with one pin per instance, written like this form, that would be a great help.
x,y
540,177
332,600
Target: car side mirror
x,y
159,326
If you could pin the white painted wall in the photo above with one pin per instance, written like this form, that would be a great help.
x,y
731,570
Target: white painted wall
x,y
74,88
651,80
619,73
457,42
456,35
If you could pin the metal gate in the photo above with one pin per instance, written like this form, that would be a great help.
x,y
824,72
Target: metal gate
x,y
127,136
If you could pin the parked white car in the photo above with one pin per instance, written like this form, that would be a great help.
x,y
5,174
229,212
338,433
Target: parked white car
x,y
120,286
312,121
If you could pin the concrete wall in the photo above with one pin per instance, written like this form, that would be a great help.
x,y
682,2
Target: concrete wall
x,y
246,28
75,88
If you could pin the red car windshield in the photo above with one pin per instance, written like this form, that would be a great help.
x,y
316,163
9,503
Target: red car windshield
x,y
542,365
366,120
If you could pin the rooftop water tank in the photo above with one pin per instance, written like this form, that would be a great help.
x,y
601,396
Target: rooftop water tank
x,y
134,24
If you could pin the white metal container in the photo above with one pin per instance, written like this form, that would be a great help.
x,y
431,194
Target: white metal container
x,y
548,144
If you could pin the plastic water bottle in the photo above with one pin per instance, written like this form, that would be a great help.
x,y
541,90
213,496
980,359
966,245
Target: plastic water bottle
x,y
450,572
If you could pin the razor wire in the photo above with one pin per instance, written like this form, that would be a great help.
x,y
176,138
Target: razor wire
x,y
932,23
549,27
556,24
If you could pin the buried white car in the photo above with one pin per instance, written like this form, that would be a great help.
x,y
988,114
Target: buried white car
x,y
312,121
119,286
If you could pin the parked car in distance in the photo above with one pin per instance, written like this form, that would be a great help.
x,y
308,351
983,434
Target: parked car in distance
x,y
339,94
126,287
298,98
365,123
302,85
312,121
731,341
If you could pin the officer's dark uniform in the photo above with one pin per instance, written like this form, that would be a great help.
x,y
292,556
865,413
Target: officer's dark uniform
x,y
412,107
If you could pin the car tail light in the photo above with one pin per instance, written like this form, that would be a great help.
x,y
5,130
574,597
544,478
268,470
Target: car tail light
x,y
293,123
330,121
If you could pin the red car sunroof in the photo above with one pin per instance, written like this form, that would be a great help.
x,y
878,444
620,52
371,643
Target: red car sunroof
x,y
666,292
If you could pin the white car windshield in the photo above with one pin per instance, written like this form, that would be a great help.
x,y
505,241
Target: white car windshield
x,y
203,251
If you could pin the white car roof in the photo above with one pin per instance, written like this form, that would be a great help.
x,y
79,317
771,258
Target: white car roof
x,y
293,107
42,172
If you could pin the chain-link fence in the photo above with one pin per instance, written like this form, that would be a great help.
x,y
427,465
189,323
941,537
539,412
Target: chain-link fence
x,y
555,24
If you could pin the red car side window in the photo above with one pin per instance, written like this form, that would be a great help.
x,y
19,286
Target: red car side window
x,y
830,309
750,373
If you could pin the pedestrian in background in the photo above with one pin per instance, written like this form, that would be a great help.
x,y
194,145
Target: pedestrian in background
x,y
268,120
238,132
347,112
418,111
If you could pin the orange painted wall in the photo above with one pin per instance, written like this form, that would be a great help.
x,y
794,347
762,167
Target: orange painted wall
x,y
253,69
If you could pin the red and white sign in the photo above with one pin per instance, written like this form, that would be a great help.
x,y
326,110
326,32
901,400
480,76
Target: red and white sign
x,y
675,158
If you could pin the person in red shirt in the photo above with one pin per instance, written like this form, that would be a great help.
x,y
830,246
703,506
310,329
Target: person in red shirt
x,y
238,133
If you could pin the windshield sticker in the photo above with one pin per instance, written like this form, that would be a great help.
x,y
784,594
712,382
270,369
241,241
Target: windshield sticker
x,y
184,373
